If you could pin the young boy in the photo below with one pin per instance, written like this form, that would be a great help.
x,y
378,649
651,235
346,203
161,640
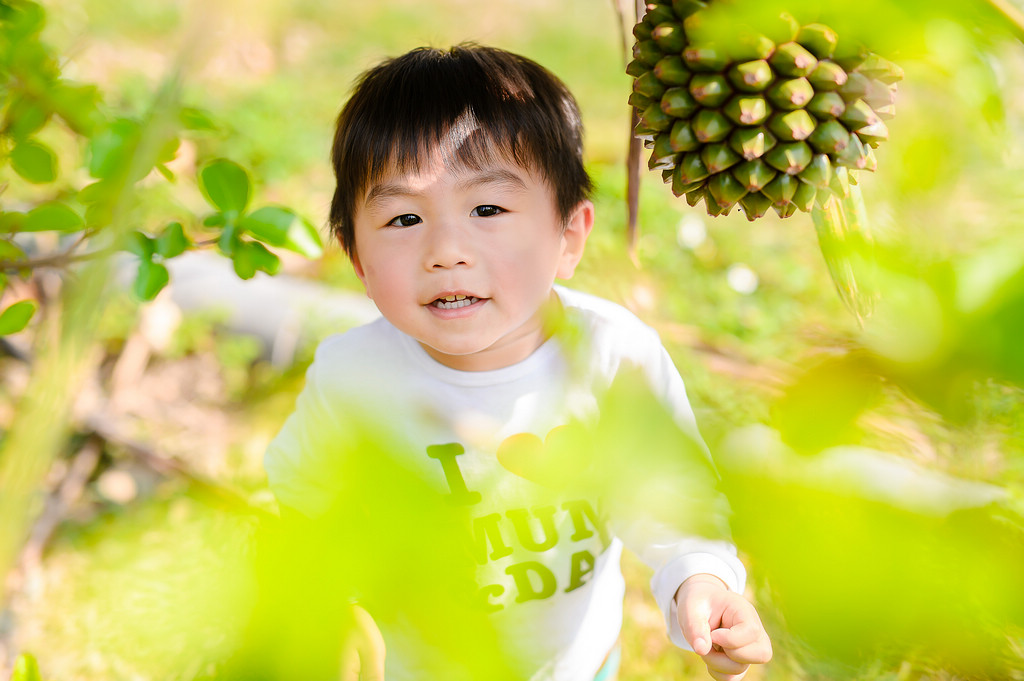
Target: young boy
x,y
461,196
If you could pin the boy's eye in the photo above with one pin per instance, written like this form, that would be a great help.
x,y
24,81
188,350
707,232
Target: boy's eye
x,y
407,220
486,211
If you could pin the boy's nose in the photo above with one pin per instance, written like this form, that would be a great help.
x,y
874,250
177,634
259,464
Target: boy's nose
x,y
447,247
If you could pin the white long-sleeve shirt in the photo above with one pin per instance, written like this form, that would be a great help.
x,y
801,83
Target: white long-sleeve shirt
x,y
548,562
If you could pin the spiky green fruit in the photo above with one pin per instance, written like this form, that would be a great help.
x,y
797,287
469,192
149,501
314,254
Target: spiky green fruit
x,y
751,76
678,103
681,138
742,108
819,39
669,37
792,126
793,60
792,93
711,90
803,197
753,175
710,125
752,110
670,70
755,205
751,143
724,188
789,157
718,157
781,189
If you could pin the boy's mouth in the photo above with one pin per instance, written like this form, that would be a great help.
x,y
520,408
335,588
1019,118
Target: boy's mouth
x,y
454,302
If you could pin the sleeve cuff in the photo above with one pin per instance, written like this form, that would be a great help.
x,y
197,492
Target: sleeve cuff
x,y
667,580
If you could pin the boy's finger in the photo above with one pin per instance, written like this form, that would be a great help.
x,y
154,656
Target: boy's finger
x,y
746,644
737,636
721,666
697,631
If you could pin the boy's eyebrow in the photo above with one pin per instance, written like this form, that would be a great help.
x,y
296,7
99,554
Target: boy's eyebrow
x,y
495,176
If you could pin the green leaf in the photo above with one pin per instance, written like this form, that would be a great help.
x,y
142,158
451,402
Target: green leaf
x,y
10,251
225,184
283,228
250,256
34,161
140,244
151,279
165,171
96,192
111,150
172,242
54,216
24,117
78,106
24,19
26,669
11,222
229,241
168,150
16,317
196,119
215,220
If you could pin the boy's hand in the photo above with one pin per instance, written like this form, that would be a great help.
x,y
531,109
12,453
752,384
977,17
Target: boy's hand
x,y
362,654
722,627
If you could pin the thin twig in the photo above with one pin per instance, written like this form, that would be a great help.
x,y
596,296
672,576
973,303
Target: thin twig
x,y
56,260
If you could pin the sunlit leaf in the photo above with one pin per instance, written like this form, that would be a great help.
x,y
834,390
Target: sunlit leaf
x,y
215,220
172,241
111,150
229,241
10,251
196,119
26,669
225,184
165,171
152,277
34,161
78,106
140,244
168,150
283,228
23,19
24,117
819,409
16,317
250,257
97,191
55,216
11,222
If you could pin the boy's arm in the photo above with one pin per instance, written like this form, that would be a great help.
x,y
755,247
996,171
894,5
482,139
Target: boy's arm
x,y
698,583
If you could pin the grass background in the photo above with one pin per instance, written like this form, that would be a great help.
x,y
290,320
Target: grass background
x,y
274,73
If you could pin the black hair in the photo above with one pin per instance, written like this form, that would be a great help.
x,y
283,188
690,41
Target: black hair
x,y
470,101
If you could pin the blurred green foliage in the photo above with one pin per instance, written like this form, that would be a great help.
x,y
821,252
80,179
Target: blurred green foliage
x,y
865,565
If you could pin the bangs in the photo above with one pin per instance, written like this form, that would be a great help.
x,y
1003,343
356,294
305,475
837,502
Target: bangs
x,y
464,145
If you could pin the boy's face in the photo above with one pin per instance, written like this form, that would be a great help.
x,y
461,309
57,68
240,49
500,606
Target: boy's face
x,y
463,260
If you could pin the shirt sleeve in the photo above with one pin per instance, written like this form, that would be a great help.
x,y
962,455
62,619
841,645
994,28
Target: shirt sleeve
x,y
675,558
300,471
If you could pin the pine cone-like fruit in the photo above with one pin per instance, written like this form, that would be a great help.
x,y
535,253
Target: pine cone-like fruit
x,y
775,116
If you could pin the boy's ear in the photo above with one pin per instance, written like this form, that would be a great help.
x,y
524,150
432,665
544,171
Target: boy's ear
x,y
574,238
358,267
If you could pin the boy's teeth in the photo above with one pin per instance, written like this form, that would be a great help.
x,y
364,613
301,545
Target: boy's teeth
x,y
453,302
